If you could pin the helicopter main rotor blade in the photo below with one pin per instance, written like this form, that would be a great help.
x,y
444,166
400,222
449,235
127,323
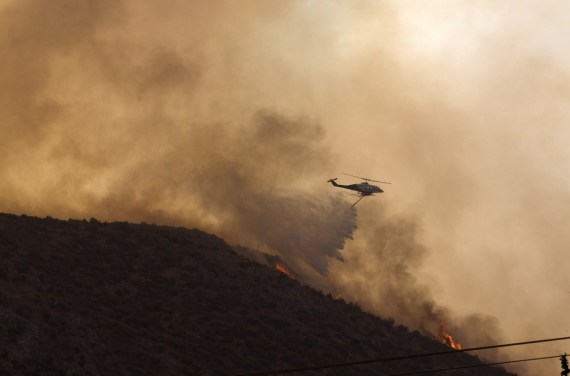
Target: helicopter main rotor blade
x,y
376,181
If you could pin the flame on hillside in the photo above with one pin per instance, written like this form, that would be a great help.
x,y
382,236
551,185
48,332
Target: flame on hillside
x,y
280,267
446,338
336,296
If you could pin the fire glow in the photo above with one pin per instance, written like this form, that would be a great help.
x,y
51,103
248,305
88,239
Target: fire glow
x,y
446,338
338,297
280,267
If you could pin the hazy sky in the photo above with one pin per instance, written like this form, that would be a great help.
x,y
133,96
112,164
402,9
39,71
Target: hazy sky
x,y
231,115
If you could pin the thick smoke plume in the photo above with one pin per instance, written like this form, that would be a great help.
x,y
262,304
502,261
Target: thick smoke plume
x,y
122,142
389,257
231,116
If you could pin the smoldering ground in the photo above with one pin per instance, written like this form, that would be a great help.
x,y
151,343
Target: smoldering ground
x,y
230,116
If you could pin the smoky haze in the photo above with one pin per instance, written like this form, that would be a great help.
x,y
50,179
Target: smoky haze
x,y
115,137
231,116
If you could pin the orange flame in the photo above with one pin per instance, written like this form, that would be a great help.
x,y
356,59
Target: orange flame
x,y
446,338
280,267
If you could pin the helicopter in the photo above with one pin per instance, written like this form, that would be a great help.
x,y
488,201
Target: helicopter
x,y
364,189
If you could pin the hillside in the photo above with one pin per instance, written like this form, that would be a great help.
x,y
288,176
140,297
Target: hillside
x,y
93,298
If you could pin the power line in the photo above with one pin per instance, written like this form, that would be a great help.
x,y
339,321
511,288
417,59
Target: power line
x,y
475,366
390,359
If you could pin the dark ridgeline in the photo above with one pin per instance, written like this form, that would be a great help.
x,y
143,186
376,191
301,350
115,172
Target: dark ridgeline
x,y
93,298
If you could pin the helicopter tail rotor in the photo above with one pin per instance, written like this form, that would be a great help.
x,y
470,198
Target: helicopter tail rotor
x,y
332,181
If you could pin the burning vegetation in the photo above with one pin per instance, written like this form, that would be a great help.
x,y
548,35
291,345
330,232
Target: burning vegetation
x,y
337,297
446,338
280,267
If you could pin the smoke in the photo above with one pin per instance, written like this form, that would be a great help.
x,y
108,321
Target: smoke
x,y
122,142
388,257
231,117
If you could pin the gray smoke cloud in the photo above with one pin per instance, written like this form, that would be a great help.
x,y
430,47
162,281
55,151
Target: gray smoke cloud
x,y
231,116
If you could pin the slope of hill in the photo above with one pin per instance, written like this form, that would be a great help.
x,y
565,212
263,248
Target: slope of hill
x,y
92,298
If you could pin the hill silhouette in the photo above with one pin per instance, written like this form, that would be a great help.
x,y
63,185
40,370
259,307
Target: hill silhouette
x,y
93,298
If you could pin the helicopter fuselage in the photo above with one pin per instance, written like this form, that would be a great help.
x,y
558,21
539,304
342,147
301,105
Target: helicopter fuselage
x,y
364,188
